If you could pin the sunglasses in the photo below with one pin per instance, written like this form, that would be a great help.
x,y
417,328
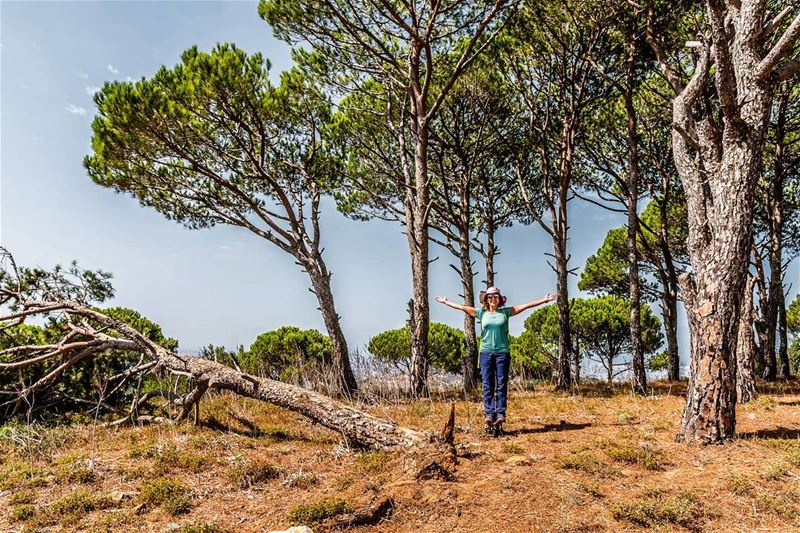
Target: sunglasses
x,y
493,297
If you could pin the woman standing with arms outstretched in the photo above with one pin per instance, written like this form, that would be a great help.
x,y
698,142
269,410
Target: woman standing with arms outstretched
x,y
495,356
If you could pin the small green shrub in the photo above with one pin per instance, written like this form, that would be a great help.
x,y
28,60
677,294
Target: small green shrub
x,y
783,504
591,488
247,472
775,472
170,495
766,402
646,457
20,497
511,447
740,485
73,469
584,461
81,501
317,512
661,509
22,512
18,475
169,457
371,462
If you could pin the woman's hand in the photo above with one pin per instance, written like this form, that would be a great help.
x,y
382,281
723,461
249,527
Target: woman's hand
x,y
552,297
441,299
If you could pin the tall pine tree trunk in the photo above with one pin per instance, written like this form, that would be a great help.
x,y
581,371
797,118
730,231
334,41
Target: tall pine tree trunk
x,y
345,383
714,292
639,378
669,299
469,364
418,241
777,297
669,312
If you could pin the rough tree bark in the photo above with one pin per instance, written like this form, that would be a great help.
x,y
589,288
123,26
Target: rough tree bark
x,y
418,248
343,371
719,162
746,348
638,377
564,378
491,252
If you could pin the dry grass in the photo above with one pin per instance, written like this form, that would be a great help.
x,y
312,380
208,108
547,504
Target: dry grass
x,y
611,465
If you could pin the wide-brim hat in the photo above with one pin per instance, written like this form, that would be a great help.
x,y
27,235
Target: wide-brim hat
x,y
492,290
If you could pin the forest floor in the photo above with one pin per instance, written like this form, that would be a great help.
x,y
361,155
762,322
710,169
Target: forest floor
x,y
601,460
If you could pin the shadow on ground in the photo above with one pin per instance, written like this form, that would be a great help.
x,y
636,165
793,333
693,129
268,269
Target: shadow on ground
x,y
561,426
777,433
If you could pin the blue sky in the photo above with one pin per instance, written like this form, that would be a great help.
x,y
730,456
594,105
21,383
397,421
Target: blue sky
x,y
220,285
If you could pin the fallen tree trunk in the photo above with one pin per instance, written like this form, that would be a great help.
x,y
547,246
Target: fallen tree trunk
x,y
356,426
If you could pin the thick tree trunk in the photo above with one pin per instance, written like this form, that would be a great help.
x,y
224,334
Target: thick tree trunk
x,y
343,372
418,240
719,163
638,377
746,348
469,365
713,294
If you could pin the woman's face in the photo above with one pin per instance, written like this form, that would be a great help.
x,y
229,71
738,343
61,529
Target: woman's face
x,y
493,300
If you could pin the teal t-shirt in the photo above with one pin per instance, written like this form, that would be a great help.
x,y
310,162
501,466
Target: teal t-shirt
x,y
494,329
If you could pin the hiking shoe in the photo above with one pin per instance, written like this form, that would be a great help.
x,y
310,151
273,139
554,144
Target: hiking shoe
x,y
498,426
490,429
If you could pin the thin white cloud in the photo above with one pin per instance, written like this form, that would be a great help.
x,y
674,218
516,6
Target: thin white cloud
x,y
91,90
112,69
75,110
128,79
83,75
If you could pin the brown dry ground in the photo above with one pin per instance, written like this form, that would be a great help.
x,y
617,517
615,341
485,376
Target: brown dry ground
x,y
612,465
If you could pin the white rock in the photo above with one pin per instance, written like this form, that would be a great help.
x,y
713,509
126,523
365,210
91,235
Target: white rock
x,y
295,529
518,460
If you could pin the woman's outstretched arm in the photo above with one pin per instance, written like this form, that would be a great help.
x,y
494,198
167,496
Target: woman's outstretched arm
x,y
520,308
443,300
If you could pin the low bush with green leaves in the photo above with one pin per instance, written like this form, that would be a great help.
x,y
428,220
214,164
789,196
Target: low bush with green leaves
x,y
170,495
317,512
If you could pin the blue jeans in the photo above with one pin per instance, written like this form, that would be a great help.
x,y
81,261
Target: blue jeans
x,y
494,370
